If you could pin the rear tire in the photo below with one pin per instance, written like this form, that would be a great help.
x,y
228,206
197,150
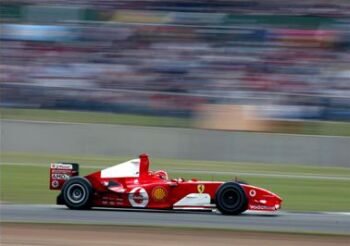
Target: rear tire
x,y
231,199
77,193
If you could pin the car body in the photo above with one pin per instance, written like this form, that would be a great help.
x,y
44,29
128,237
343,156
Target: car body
x,y
132,185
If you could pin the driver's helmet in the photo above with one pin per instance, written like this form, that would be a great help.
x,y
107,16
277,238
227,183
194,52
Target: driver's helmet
x,y
161,174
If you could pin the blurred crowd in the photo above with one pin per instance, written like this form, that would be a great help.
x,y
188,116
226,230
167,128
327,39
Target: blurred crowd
x,y
289,59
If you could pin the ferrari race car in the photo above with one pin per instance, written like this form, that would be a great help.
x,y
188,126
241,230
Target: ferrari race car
x,y
132,185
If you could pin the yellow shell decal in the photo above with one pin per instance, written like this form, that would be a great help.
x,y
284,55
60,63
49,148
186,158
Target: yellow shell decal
x,y
159,193
200,188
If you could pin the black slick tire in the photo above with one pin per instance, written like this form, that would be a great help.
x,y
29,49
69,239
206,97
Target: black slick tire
x,y
77,193
231,199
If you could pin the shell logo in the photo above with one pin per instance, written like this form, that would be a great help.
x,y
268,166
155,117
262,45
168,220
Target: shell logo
x,y
159,193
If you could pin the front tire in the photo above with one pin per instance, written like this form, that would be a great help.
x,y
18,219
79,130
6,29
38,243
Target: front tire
x,y
231,199
77,193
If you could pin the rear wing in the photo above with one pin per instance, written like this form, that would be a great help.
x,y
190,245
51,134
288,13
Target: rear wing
x,y
60,172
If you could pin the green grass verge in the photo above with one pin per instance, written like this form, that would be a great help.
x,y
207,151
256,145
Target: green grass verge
x,y
23,183
91,117
326,128
312,128
177,165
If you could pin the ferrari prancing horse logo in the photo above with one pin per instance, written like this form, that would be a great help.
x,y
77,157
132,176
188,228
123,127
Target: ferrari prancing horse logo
x,y
200,188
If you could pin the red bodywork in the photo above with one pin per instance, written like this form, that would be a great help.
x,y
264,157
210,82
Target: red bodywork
x,y
155,191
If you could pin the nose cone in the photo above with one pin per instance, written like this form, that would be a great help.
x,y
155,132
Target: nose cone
x,y
274,199
278,202
261,199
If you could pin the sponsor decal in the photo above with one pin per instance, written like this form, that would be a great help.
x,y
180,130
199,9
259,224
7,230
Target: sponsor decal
x,y
262,201
61,171
60,176
159,193
61,166
200,188
55,184
138,197
252,193
261,207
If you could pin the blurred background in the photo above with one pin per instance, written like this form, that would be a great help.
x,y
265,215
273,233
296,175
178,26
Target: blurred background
x,y
229,64
249,68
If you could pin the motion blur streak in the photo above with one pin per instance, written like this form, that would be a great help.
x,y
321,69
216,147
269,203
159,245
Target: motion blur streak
x,y
83,78
268,60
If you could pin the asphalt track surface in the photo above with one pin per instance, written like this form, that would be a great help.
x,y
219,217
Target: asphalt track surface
x,y
329,223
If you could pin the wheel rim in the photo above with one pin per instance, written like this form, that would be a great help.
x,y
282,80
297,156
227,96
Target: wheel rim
x,y
76,193
230,198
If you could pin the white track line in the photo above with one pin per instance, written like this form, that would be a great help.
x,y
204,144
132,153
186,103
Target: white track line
x,y
279,212
250,174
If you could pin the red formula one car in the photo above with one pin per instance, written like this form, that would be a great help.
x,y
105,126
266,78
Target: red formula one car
x,y
132,185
